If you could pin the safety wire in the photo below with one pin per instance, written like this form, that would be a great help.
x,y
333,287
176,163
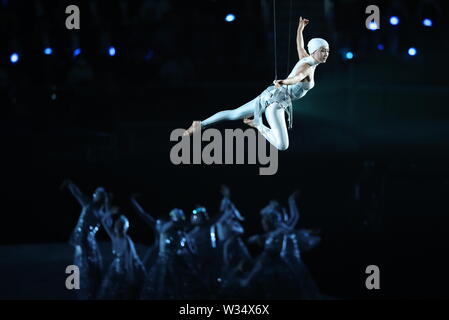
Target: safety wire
x,y
275,41
289,38
275,53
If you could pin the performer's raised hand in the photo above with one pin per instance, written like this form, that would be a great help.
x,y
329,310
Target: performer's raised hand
x,y
303,23
65,183
294,195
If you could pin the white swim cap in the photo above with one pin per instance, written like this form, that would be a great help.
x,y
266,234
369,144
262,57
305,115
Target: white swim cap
x,y
316,43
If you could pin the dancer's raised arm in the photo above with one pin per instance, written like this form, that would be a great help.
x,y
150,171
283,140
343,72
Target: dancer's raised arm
x,y
106,221
76,192
228,211
294,213
302,53
227,208
142,213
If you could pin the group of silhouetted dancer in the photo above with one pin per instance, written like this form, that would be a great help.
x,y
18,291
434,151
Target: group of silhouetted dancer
x,y
198,258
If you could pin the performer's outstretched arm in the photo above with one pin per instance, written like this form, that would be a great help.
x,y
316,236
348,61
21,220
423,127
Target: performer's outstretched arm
x,y
227,208
228,211
153,250
106,221
142,213
301,73
76,192
302,53
294,213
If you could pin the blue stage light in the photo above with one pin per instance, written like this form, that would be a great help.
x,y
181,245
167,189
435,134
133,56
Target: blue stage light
x,y
48,51
380,46
111,51
76,52
427,22
412,51
394,20
230,17
373,26
349,55
14,58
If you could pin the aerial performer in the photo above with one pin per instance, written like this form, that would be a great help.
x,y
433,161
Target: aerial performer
x,y
276,100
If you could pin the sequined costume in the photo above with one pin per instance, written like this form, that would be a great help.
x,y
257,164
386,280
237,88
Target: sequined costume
x,y
173,274
234,255
207,254
87,256
229,232
218,243
125,276
279,272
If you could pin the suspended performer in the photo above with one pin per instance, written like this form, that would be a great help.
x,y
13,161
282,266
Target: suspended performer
x,y
277,99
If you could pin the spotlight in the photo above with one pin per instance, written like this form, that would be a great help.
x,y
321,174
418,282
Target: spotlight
x,y
76,52
373,26
380,47
349,55
14,58
48,51
230,17
111,51
412,51
394,21
427,22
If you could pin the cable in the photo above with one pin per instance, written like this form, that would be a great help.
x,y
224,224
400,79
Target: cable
x,y
275,53
289,38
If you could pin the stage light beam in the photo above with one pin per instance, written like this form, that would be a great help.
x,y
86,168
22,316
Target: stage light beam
x,y
412,51
427,22
14,58
230,18
76,52
112,51
373,26
394,21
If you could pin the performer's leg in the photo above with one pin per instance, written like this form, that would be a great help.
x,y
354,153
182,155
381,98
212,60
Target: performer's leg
x,y
277,133
239,113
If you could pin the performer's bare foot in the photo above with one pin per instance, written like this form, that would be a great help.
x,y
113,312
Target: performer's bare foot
x,y
196,125
249,122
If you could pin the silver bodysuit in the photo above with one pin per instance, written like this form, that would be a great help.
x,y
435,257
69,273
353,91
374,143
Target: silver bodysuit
x,y
280,99
286,94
